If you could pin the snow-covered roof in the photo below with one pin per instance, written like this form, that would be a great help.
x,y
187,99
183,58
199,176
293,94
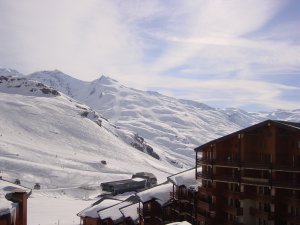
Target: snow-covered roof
x,y
186,178
161,193
92,211
179,223
5,188
113,212
131,211
5,206
138,179
8,187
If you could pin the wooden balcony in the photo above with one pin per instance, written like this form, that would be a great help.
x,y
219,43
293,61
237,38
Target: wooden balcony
x,y
258,165
226,178
263,198
207,220
201,175
204,161
233,194
292,218
256,181
287,167
227,163
205,205
219,162
234,210
292,201
232,223
207,191
261,213
292,184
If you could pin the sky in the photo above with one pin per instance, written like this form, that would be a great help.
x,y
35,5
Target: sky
x,y
229,53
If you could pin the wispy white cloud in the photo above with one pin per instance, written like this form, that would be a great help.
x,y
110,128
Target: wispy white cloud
x,y
220,52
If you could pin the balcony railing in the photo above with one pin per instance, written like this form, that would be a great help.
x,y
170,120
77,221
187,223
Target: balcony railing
x,y
205,205
234,210
206,191
207,220
256,181
219,162
226,178
201,175
261,213
294,184
257,165
234,194
232,223
263,198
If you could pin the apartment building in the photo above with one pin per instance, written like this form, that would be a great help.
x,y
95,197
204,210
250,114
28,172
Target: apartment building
x,y
251,176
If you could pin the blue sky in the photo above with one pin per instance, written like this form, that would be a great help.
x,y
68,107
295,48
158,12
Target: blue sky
x,y
224,53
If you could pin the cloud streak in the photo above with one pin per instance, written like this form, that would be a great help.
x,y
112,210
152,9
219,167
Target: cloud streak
x,y
225,53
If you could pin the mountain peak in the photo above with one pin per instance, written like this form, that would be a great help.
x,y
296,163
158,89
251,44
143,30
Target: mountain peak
x,y
10,72
107,80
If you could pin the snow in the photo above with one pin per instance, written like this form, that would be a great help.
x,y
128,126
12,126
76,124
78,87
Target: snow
x,y
174,126
45,139
179,223
161,193
47,210
113,212
186,178
138,179
131,211
5,188
91,211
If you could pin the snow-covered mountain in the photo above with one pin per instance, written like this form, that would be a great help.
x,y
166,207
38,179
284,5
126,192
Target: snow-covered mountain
x,y
176,124
50,138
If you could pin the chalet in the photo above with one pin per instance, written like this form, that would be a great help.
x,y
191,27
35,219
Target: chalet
x,y
113,215
130,213
13,208
251,177
89,216
111,211
184,196
155,208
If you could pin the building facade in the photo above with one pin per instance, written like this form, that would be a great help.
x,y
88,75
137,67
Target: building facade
x,y
251,177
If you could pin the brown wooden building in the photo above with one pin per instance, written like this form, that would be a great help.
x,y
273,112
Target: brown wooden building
x,y
13,207
251,177
111,211
155,205
184,196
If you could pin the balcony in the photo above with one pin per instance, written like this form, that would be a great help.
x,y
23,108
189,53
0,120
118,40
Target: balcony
x,y
227,163
219,162
256,181
226,178
201,175
232,223
292,218
259,165
264,198
290,184
261,213
286,167
207,220
234,210
204,161
207,191
233,194
205,205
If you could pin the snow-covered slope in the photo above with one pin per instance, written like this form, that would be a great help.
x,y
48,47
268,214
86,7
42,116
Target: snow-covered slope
x,y
179,125
49,138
